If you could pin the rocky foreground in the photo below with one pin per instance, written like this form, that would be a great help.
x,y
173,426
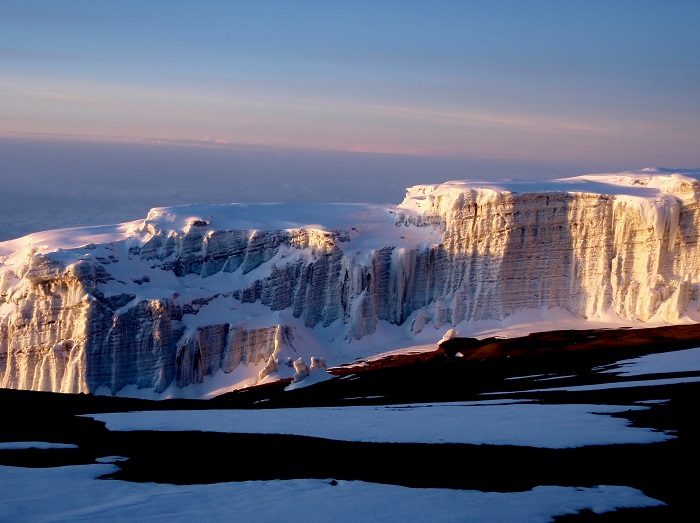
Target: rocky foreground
x,y
664,471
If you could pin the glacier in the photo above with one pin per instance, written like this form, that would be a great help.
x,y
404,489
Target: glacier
x,y
197,300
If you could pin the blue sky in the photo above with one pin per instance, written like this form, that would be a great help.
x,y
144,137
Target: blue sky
x,y
559,86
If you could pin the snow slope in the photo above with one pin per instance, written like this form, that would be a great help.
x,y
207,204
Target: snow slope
x,y
197,300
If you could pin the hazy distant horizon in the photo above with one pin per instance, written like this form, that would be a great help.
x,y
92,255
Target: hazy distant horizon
x,y
52,183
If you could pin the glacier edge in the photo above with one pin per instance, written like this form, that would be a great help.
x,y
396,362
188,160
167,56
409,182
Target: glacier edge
x,y
239,293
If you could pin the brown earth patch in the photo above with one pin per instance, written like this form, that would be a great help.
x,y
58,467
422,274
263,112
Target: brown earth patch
x,y
616,343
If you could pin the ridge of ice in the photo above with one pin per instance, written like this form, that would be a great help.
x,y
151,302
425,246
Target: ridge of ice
x,y
341,281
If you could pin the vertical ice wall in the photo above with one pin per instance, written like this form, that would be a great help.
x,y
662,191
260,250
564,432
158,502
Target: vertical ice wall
x,y
583,252
110,315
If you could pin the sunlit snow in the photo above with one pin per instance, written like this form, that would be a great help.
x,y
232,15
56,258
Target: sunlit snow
x,y
339,282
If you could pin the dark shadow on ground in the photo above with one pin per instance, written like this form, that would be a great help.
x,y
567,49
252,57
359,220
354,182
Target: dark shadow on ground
x,y
665,471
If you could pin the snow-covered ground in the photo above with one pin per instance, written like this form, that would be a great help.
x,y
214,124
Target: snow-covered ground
x,y
75,493
489,423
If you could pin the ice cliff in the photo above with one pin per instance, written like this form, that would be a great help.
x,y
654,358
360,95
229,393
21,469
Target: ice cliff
x,y
223,296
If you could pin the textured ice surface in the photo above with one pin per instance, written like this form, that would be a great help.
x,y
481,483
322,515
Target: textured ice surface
x,y
196,300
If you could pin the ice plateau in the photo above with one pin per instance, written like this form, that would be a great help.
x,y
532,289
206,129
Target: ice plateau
x,y
196,300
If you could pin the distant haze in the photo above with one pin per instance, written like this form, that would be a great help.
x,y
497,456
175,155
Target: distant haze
x,y
49,184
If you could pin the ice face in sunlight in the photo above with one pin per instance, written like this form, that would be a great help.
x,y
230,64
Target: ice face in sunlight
x,y
205,298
